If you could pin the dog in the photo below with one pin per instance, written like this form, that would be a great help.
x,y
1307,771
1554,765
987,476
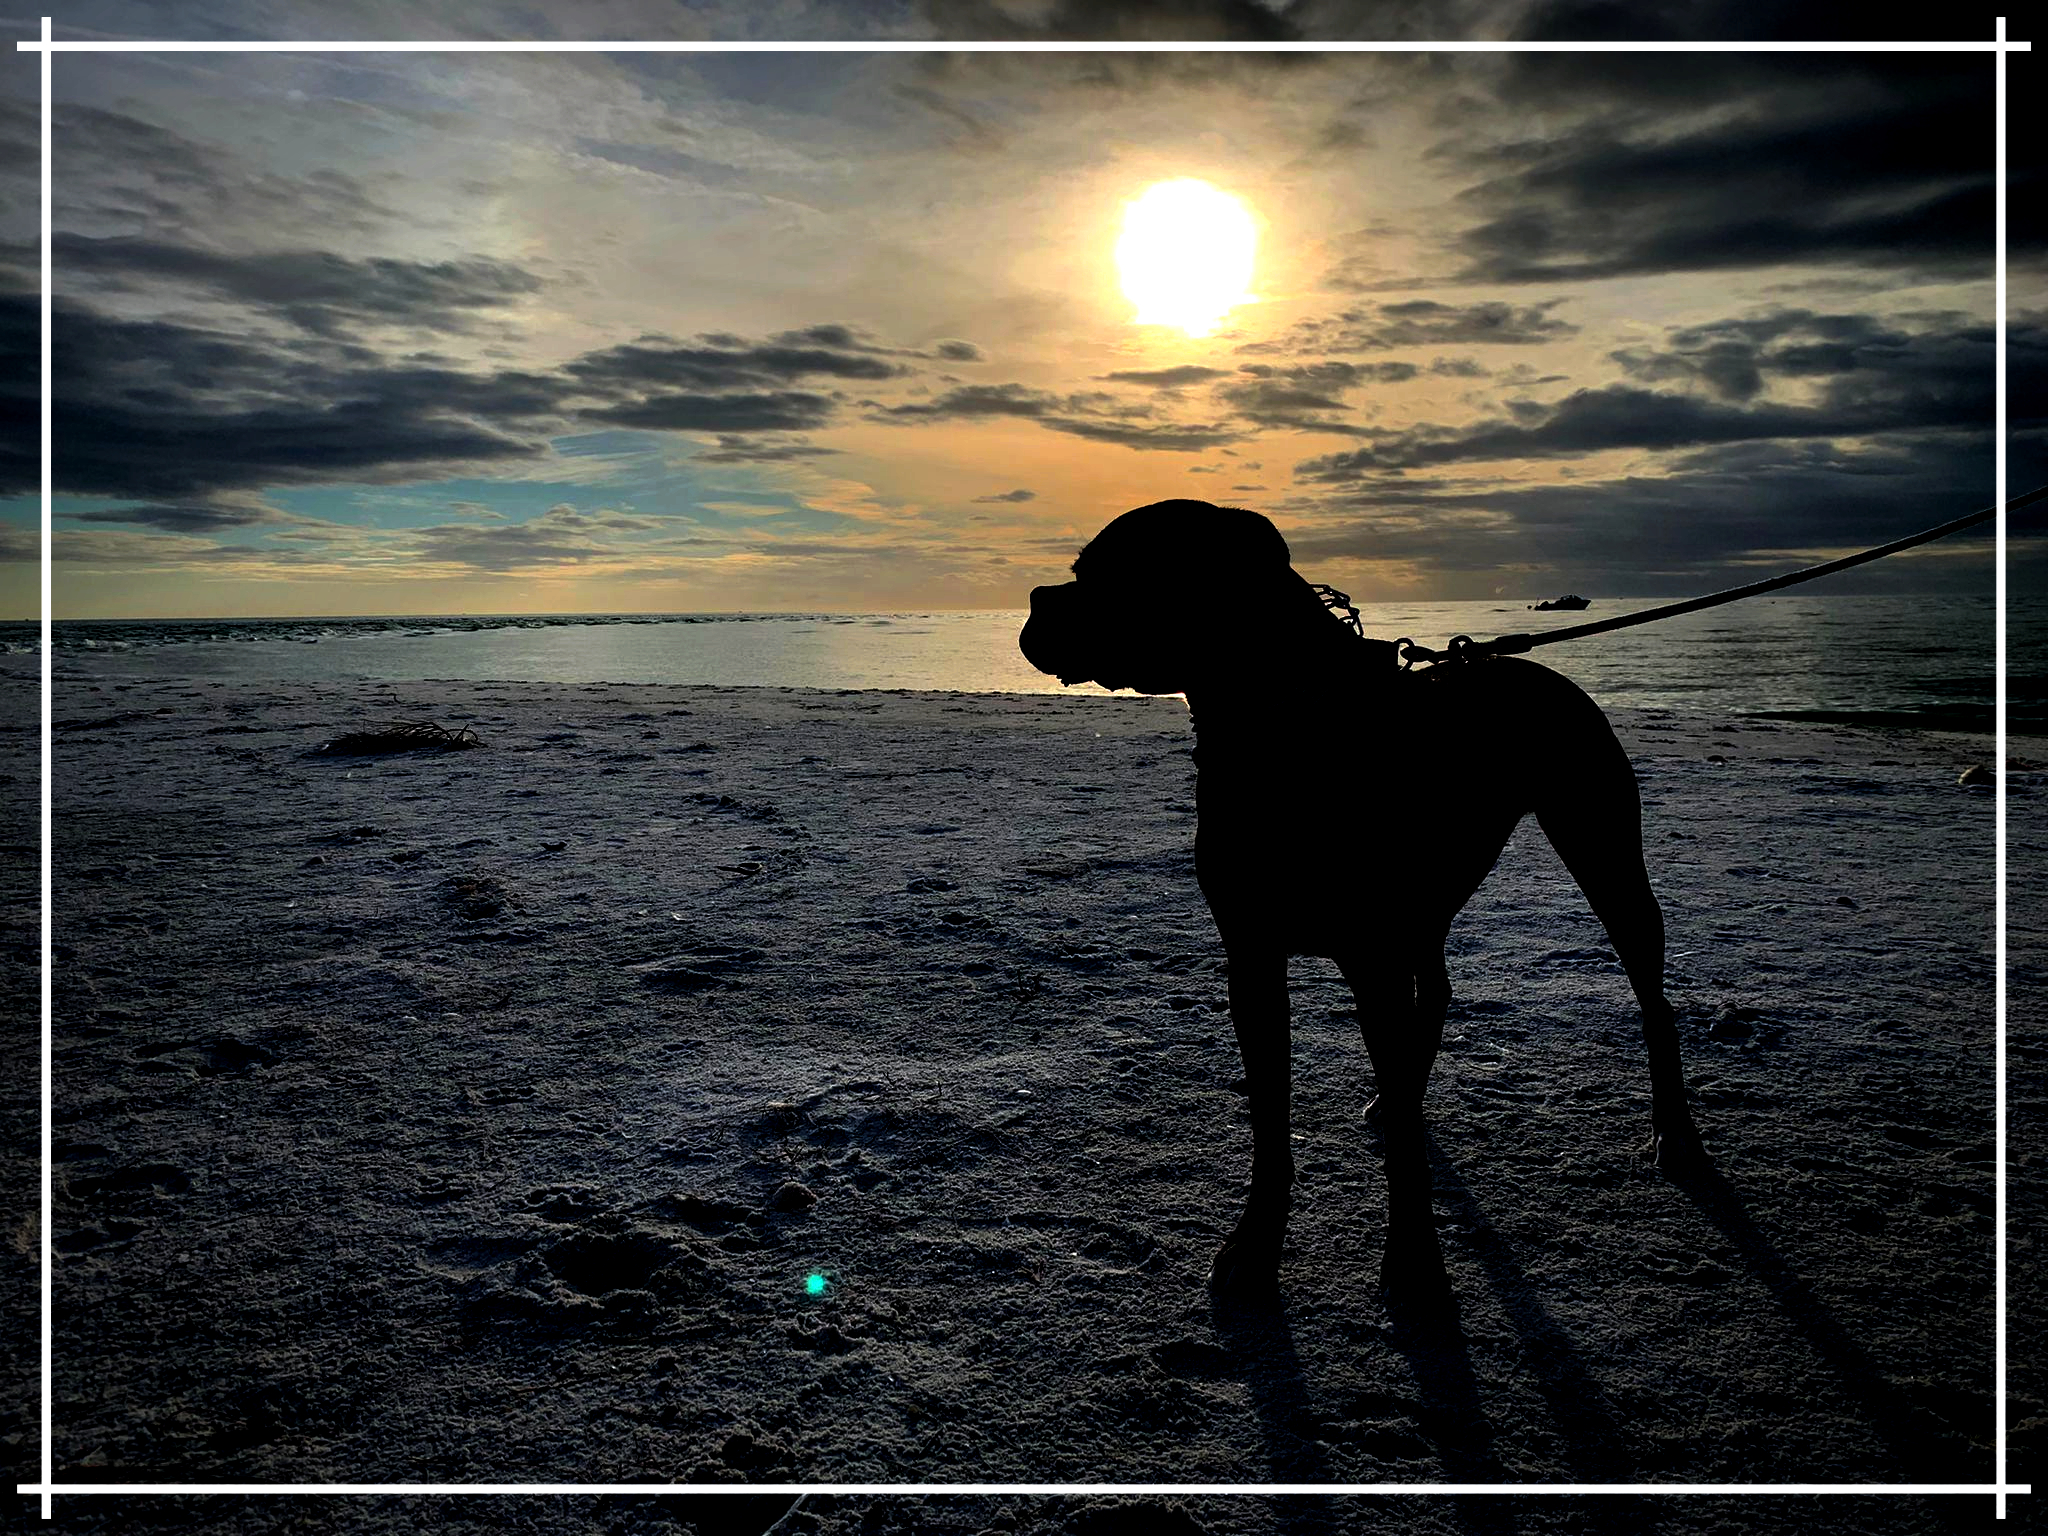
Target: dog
x,y
1349,807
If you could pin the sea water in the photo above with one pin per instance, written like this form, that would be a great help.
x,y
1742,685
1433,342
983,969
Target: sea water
x,y
1892,661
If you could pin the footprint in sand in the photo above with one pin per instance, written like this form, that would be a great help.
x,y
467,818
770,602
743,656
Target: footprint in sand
x,y
566,1202
693,970
502,1093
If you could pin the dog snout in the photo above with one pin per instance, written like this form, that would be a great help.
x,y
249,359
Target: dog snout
x,y
1050,639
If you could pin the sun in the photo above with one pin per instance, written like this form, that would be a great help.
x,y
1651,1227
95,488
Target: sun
x,y
1185,255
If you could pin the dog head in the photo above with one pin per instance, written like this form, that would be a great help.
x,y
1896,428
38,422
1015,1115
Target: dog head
x,y
1167,597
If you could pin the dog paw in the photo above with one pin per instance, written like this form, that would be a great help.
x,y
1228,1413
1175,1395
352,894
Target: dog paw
x,y
1414,1284
1246,1271
1248,1263
1679,1150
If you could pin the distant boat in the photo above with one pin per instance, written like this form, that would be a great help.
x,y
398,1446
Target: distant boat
x,y
1571,602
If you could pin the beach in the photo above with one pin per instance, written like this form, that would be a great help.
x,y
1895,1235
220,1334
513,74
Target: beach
x,y
794,1086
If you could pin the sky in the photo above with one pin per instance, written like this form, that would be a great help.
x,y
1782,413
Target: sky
x,y
436,333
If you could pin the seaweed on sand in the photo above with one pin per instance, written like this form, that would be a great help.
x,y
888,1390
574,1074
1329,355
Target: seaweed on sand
x,y
399,736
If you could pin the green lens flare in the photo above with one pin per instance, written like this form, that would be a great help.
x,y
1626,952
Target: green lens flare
x,y
814,1283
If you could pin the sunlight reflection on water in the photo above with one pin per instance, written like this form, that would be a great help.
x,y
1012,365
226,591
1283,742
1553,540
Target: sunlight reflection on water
x,y
1926,660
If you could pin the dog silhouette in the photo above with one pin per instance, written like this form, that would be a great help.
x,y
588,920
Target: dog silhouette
x,y
1348,807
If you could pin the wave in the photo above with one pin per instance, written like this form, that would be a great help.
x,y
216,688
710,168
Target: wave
x,y
104,635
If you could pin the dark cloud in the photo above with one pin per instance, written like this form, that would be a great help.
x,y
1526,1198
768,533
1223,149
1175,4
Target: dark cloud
x,y
172,414
175,414
725,362
957,85
843,338
1095,416
735,449
957,351
1710,162
784,410
1298,398
1733,359
165,412
1591,21
315,290
971,400
1872,379
1016,495
1307,397
190,517
1167,378
1724,516
1164,437
1421,323
1144,21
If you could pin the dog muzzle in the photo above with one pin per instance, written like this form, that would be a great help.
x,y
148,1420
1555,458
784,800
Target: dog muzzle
x,y
1054,638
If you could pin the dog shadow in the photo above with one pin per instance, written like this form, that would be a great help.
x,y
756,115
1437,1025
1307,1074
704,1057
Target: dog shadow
x,y
1595,1445
1450,1416
1918,1447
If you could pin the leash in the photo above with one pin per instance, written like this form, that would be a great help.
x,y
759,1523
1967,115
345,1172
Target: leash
x,y
1465,648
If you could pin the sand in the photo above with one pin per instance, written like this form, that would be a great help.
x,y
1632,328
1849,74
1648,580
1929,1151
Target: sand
x,y
482,1115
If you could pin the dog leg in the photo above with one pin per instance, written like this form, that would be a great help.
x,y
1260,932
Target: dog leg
x,y
1403,1025
1605,856
1249,1260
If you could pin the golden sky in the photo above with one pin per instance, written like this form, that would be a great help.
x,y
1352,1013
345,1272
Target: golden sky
x,y
433,333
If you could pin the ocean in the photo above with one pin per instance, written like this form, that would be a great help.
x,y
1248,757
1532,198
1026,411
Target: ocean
x,y
1900,662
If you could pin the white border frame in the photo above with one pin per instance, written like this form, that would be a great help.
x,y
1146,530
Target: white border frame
x,y
48,47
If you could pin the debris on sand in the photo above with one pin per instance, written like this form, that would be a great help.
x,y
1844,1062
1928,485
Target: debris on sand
x,y
475,897
1975,774
399,736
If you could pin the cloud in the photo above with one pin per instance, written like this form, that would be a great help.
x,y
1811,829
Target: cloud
x,y
172,414
317,291
193,516
1872,380
727,362
1726,515
1144,21
1697,163
118,173
1164,438
561,535
1016,495
845,338
1094,416
1422,323
1296,397
1734,358
977,134
777,411
167,413
972,400
1167,378
735,449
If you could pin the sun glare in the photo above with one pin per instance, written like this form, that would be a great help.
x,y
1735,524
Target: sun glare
x,y
1185,255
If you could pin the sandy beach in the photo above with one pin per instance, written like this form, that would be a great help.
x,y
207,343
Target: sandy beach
x,y
484,1115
